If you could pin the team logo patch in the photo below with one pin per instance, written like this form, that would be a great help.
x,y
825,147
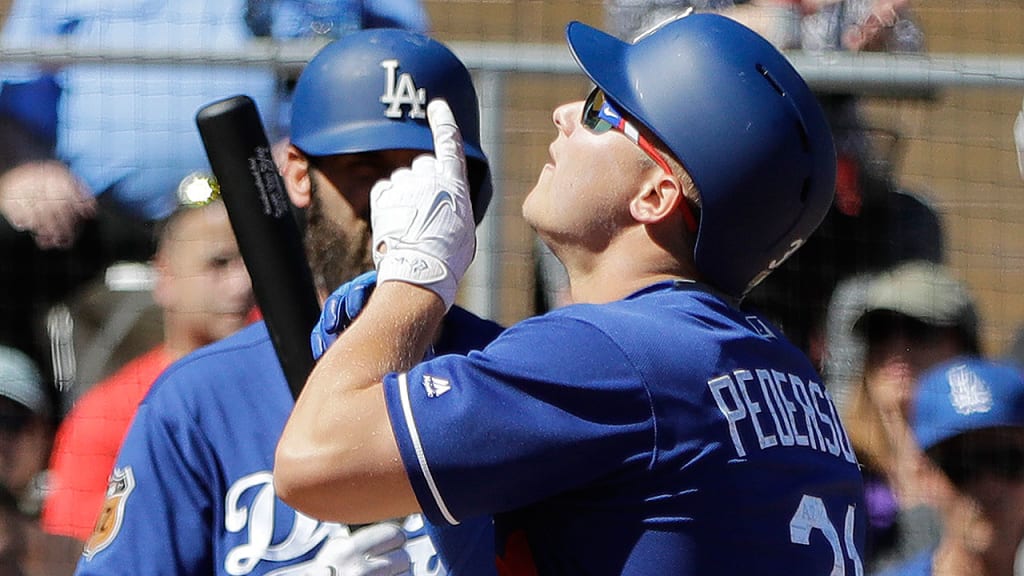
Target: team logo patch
x,y
760,327
968,393
400,90
121,484
435,386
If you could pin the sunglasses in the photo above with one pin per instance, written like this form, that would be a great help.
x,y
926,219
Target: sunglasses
x,y
969,462
599,116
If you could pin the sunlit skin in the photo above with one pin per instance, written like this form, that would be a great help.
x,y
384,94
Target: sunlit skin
x,y
202,284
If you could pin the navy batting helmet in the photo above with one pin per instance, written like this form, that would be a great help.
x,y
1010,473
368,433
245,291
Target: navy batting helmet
x,y
368,91
743,124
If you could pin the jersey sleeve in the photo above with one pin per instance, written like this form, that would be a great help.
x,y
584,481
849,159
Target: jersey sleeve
x,y
156,519
551,404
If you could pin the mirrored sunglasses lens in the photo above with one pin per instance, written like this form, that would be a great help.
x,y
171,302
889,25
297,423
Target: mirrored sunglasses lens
x,y
592,112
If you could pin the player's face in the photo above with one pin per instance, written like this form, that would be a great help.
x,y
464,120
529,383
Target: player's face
x,y
206,285
338,233
581,197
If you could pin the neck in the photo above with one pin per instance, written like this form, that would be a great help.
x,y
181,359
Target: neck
x,y
619,270
179,340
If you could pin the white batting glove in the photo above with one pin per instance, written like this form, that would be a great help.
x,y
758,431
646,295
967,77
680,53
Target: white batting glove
x,y
375,550
422,218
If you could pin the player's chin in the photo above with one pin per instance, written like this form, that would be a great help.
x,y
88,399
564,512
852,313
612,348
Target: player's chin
x,y
532,204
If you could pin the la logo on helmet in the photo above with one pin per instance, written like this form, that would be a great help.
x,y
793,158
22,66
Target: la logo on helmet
x,y
401,90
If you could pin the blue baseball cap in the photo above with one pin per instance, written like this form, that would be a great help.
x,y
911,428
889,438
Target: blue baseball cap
x,y
967,394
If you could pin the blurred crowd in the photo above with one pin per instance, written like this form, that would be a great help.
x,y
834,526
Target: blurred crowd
x,y
114,268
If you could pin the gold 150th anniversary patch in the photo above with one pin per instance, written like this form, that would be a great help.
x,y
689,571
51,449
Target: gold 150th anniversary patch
x,y
122,482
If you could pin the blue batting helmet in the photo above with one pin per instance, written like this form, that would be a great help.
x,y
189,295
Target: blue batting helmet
x,y
368,91
743,124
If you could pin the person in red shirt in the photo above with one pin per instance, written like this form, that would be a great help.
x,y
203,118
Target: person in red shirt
x,y
204,293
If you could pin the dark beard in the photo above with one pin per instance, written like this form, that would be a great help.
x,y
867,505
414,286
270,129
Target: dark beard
x,y
335,255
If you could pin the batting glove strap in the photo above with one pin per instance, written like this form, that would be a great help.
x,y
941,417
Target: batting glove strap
x,y
407,264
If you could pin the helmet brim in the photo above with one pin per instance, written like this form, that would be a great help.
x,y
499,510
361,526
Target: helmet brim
x,y
601,56
369,137
605,60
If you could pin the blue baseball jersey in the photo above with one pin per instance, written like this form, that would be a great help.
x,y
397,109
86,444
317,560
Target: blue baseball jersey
x,y
192,490
666,433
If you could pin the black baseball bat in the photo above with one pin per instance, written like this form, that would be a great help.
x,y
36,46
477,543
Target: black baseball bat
x,y
268,235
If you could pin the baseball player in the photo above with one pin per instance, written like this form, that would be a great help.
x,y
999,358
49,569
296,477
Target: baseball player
x,y
192,491
654,427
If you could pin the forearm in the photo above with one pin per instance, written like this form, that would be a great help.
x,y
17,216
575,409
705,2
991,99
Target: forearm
x,y
337,458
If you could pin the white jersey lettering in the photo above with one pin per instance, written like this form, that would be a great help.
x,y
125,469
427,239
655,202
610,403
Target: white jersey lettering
x,y
803,414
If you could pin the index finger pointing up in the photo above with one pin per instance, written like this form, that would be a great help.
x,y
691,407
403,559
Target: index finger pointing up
x,y
447,139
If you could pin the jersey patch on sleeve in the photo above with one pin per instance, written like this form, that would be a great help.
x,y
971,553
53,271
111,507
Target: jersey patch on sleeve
x,y
120,486
435,386
760,327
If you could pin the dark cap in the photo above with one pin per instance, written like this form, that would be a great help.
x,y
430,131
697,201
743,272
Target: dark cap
x,y
924,291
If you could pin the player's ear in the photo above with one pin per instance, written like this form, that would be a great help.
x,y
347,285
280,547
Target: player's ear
x,y
295,173
658,198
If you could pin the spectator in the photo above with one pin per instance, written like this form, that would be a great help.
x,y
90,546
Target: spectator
x,y
916,316
26,431
31,279
114,140
969,420
25,550
26,428
205,294
855,25
128,131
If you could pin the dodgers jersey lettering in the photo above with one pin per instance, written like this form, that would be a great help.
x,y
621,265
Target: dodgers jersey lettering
x,y
666,433
192,490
